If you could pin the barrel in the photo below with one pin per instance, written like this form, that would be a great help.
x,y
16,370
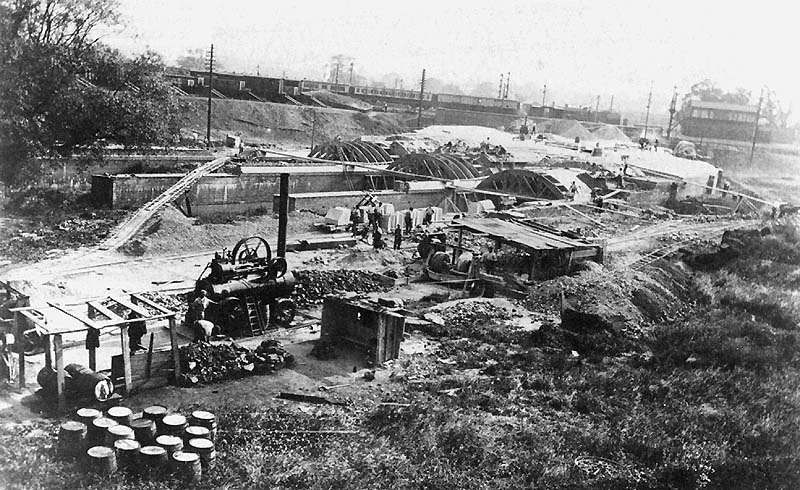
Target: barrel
x,y
117,432
72,439
155,413
122,415
127,453
86,415
207,420
196,432
205,448
152,460
187,466
98,429
48,380
101,460
173,425
172,444
89,384
144,431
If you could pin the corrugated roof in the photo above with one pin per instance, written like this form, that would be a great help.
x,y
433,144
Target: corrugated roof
x,y
723,106
517,234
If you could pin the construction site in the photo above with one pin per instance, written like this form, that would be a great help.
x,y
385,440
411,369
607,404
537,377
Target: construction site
x,y
449,292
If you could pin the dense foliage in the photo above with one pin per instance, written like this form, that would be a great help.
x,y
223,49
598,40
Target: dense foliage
x,y
61,89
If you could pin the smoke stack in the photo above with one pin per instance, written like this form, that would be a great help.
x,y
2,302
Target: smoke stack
x,y
283,215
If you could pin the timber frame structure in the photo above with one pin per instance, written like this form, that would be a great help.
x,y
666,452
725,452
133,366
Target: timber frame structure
x,y
99,316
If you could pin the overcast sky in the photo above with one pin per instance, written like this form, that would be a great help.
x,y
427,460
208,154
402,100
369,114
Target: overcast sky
x,y
580,49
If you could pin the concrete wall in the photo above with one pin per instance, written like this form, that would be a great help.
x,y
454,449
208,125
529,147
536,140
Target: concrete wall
x,y
473,118
219,193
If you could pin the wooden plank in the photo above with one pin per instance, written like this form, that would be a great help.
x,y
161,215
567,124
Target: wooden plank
x,y
126,358
146,301
59,353
102,310
173,338
131,306
80,317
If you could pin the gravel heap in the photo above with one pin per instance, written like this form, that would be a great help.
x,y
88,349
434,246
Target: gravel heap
x,y
204,362
313,285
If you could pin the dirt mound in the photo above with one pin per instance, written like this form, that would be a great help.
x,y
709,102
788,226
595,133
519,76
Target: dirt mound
x,y
170,232
314,285
265,122
611,133
569,128
341,101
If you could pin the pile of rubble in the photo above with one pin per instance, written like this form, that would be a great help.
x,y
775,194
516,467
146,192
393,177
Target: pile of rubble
x,y
205,362
314,285
471,319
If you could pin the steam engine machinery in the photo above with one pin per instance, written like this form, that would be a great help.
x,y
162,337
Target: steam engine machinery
x,y
249,289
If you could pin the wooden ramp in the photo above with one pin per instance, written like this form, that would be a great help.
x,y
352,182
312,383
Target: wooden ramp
x,y
128,228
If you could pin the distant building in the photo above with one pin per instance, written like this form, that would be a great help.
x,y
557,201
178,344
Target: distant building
x,y
721,120
577,113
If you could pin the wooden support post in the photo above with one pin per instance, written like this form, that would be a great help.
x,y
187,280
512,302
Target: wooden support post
x,y
173,340
126,357
48,352
19,331
92,358
59,353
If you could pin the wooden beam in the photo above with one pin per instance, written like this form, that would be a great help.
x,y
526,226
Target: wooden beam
x,y
131,306
146,301
94,305
19,331
59,353
173,340
81,317
126,358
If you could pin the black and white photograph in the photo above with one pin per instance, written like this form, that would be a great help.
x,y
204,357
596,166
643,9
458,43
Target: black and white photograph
x,y
443,245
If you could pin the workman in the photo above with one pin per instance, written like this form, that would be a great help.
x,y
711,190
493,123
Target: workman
x,y
490,259
136,330
204,330
573,189
377,240
428,219
355,220
376,216
409,220
199,305
398,237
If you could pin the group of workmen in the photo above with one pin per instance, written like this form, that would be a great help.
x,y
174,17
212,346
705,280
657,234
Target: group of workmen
x,y
374,224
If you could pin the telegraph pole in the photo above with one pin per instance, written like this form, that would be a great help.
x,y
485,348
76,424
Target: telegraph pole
x,y
611,106
351,73
647,116
421,94
544,94
755,130
210,83
500,89
508,82
597,109
313,128
672,110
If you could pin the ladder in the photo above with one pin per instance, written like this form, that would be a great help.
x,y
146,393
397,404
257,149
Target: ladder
x,y
254,321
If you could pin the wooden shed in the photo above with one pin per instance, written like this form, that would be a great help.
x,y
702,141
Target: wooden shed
x,y
375,329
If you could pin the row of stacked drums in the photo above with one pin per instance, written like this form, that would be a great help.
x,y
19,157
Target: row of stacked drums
x,y
156,443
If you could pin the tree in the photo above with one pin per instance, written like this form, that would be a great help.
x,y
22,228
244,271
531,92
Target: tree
x,y
339,68
61,89
707,90
195,59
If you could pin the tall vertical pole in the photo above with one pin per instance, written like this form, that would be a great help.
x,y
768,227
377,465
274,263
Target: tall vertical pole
x,y
647,116
500,89
672,110
611,106
421,94
351,73
283,214
508,82
336,76
313,128
210,88
755,130
544,94
597,109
